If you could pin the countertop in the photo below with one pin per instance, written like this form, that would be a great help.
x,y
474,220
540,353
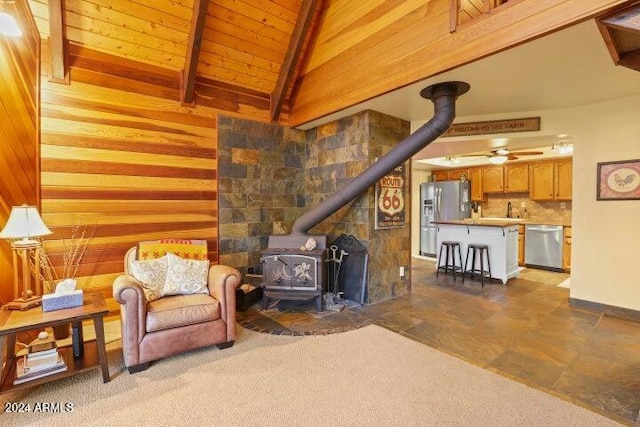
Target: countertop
x,y
480,222
498,222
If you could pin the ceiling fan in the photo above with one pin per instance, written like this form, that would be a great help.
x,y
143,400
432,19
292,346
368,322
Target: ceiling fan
x,y
501,155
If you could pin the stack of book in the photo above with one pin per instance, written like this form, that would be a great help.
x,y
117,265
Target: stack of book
x,y
43,359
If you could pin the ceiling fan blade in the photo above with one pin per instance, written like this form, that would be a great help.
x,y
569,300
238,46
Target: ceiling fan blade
x,y
474,155
510,156
527,153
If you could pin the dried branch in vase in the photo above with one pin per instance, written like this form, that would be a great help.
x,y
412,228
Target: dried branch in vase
x,y
48,275
74,250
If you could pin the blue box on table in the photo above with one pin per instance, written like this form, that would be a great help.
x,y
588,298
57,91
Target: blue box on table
x,y
51,302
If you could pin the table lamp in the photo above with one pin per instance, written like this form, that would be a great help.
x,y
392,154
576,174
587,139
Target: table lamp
x,y
23,225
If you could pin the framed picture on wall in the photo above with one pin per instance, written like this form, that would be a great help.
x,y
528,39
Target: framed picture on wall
x,y
619,180
390,199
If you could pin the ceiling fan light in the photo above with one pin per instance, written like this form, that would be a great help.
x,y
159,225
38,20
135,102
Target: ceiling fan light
x,y
562,147
451,160
566,149
502,151
497,159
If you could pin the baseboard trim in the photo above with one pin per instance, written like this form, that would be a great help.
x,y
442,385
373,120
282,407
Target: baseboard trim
x,y
612,310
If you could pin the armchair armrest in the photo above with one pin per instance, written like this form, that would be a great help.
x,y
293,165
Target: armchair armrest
x,y
133,310
223,281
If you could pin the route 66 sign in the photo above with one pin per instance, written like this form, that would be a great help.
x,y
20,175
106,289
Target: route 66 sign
x,y
390,199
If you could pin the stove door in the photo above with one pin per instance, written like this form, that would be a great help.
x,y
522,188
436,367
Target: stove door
x,y
295,272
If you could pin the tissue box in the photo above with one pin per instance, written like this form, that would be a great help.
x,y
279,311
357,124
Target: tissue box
x,y
51,302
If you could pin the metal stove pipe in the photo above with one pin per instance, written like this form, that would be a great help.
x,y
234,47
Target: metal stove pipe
x,y
443,96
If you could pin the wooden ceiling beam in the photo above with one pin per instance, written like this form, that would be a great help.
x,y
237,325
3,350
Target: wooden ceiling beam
x,y
58,44
303,24
621,33
188,84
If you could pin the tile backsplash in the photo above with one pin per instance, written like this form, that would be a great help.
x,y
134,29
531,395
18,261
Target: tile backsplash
x,y
546,212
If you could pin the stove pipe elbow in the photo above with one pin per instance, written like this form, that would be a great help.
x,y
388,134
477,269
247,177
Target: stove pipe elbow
x,y
443,96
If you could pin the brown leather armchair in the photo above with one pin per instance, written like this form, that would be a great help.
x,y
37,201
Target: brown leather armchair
x,y
174,324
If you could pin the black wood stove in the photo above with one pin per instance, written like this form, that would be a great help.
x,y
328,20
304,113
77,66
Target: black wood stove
x,y
291,273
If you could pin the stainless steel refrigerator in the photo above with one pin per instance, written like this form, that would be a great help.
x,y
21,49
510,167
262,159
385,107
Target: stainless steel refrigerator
x,y
441,200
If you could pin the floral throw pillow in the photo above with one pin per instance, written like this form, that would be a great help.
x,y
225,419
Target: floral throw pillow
x,y
185,276
151,274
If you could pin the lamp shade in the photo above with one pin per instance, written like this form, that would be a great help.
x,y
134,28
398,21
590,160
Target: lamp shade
x,y
24,223
9,25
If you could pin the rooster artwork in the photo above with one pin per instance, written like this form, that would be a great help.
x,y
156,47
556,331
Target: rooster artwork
x,y
622,182
619,180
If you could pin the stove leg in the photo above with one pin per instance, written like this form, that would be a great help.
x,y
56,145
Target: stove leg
x,y
319,303
265,302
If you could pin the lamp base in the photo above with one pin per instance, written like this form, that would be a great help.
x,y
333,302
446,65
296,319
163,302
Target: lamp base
x,y
23,304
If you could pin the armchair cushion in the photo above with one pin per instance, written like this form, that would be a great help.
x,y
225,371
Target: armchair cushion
x,y
151,275
181,310
185,276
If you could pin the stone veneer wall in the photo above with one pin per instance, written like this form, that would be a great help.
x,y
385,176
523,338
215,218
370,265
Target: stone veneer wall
x,y
270,175
339,151
389,249
261,187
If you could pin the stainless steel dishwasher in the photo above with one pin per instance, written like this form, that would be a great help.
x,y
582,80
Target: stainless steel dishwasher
x,y
543,246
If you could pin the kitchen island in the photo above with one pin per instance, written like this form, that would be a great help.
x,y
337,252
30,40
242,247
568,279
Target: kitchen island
x,y
500,234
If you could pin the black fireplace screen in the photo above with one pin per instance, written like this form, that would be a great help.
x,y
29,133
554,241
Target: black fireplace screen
x,y
352,280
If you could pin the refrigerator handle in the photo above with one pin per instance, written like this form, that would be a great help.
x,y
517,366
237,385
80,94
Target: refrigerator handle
x,y
438,193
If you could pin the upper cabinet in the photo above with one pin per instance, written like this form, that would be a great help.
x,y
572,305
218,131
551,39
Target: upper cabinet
x,y
450,174
456,174
551,180
543,180
563,179
492,179
442,175
516,177
475,177
513,178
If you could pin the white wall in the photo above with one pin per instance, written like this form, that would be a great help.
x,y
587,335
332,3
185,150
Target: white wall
x,y
606,234
606,242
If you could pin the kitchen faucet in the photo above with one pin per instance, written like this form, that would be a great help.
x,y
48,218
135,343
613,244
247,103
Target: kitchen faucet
x,y
509,210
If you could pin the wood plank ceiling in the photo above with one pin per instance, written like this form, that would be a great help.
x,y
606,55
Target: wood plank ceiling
x,y
219,53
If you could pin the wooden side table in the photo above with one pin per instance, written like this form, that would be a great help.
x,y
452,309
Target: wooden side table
x,y
80,357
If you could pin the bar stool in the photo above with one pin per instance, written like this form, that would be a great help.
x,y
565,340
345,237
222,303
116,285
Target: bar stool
x,y
450,251
480,249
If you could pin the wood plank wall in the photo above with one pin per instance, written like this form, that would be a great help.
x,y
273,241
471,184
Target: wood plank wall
x,y
365,49
136,166
19,153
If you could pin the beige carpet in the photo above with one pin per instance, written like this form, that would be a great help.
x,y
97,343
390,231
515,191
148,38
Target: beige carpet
x,y
366,377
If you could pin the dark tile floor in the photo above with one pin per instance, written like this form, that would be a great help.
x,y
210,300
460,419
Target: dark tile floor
x,y
525,330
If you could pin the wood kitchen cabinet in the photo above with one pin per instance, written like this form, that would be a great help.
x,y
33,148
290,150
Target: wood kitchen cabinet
x,y
493,179
516,178
441,175
566,250
521,245
456,174
475,177
450,174
563,170
551,180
